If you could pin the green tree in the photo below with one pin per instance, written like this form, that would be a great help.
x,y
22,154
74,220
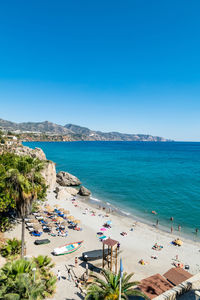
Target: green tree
x,y
12,247
108,287
21,184
17,281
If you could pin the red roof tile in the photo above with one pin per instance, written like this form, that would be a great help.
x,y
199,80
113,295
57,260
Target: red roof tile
x,y
177,275
154,286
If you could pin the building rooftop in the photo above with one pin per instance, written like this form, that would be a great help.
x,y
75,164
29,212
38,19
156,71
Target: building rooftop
x,y
177,275
154,286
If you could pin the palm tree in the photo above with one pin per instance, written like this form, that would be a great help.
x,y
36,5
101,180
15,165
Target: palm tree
x,y
11,247
108,287
17,280
24,184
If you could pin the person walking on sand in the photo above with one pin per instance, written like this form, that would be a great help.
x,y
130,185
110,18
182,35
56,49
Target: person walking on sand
x,y
59,275
76,261
78,284
69,274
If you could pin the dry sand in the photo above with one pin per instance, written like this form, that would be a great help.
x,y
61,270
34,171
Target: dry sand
x,y
135,246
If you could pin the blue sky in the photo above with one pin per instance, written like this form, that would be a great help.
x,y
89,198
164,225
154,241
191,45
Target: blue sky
x,y
129,66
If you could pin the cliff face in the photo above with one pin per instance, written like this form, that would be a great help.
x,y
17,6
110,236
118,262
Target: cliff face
x,y
23,150
49,174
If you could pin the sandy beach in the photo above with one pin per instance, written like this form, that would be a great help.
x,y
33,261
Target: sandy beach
x,y
136,245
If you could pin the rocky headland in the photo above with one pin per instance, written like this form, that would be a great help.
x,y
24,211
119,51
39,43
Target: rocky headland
x,y
63,183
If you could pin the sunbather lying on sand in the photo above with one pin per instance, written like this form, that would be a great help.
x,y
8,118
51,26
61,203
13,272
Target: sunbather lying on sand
x,y
157,247
123,233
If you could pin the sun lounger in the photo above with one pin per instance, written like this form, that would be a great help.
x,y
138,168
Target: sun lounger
x,y
39,218
43,222
46,229
30,229
36,234
29,224
27,220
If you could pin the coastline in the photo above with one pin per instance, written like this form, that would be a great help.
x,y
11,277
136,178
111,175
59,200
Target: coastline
x,y
135,246
167,197
116,211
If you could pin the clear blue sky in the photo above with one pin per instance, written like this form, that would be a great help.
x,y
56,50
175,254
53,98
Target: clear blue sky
x,y
131,66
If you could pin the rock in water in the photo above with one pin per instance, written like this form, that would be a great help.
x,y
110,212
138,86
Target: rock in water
x,y
84,192
67,179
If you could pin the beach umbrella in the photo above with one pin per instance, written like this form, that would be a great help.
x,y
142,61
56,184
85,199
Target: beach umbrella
x,y
56,205
37,227
33,221
62,209
63,223
59,219
77,221
103,229
109,222
70,218
178,242
66,212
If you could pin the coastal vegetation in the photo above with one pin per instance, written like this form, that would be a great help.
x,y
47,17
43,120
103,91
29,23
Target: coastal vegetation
x,y
22,279
11,248
108,286
21,183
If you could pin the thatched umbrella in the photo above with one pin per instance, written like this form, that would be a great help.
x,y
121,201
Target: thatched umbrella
x,y
34,221
61,209
59,219
37,227
56,205
71,218
77,221
66,212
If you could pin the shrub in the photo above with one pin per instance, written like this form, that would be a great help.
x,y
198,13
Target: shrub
x,y
12,247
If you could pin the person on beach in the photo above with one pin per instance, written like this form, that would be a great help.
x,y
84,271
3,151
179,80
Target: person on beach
x,y
179,227
69,274
76,261
59,275
78,285
118,246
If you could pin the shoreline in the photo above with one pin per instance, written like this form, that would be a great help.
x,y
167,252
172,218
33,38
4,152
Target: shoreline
x,y
116,211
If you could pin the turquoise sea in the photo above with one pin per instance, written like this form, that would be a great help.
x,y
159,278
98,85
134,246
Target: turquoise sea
x,y
137,177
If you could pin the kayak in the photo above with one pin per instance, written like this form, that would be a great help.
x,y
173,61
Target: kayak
x,y
42,242
67,249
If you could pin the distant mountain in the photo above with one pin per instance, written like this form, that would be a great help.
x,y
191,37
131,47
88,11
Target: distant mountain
x,y
44,127
74,132
111,136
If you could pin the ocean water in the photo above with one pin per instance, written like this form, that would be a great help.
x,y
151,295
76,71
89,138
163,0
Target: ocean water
x,y
137,177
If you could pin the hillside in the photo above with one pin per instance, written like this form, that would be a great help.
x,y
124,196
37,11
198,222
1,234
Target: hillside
x,y
69,132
